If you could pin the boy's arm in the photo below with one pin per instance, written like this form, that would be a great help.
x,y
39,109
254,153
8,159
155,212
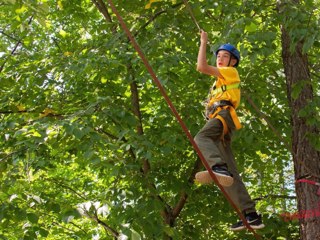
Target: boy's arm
x,y
202,65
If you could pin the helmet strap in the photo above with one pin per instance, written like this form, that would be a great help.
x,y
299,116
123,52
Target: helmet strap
x,y
229,60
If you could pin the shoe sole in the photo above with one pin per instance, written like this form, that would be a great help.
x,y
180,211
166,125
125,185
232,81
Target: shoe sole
x,y
238,229
205,178
255,227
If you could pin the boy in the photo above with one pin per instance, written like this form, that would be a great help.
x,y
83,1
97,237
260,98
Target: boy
x,y
214,139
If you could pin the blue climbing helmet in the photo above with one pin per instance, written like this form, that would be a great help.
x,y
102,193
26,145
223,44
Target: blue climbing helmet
x,y
232,50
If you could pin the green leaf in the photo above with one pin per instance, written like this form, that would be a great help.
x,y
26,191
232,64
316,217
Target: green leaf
x,y
33,218
63,33
135,235
43,232
252,27
22,9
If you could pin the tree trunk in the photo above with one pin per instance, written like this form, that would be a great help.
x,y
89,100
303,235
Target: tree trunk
x,y
305,157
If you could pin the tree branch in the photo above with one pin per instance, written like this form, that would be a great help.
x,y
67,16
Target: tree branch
x,y
7,35
95,216
154,17
264,117
7,155
274,197
183,195
77,226
106,227
179,206
15,47
104,10
43,113
61,184
63,227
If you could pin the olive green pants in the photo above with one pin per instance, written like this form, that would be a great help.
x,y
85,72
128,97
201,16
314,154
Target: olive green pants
x,y
218,152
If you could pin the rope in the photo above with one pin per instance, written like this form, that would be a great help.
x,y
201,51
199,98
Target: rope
x,y
176,114
191,14
309,182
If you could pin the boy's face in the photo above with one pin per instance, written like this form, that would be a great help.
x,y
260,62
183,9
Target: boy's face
x,y
223,59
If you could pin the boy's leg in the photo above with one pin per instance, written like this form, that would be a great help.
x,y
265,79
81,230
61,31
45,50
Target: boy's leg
x,y
239,194
208,140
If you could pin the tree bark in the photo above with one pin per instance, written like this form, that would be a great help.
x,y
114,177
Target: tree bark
x,y
305,156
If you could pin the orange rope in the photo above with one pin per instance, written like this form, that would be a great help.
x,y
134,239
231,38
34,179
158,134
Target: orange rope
x,y
176,114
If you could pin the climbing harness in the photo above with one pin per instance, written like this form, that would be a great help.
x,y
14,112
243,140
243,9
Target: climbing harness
x,y
213,112
213,108
233,114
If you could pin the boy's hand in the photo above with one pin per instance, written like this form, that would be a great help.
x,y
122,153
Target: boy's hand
x,y
204,36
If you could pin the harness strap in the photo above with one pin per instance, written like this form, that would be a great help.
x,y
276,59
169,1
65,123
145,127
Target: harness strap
x,y
233,114
224,88
225,126
234,117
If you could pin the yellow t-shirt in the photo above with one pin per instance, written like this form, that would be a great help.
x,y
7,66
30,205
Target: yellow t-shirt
x,y
230,76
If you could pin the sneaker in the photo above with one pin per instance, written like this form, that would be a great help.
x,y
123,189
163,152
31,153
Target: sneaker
x,y
221,172
253,219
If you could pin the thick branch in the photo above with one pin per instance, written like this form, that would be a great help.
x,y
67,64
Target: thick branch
x,y
183,195
179,206
135,102
104,10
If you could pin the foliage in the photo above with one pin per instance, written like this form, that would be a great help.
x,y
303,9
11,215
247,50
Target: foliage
x,y
71,158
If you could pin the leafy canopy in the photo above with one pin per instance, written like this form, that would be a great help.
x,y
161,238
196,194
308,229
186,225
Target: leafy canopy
x,y
71,159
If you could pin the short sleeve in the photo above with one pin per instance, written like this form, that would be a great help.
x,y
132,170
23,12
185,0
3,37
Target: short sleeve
x,y
230,75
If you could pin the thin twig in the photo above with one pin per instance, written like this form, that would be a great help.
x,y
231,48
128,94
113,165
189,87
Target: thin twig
x,y
15,47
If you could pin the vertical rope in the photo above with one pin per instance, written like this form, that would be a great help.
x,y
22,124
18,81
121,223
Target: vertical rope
x,y
191,14
176,114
